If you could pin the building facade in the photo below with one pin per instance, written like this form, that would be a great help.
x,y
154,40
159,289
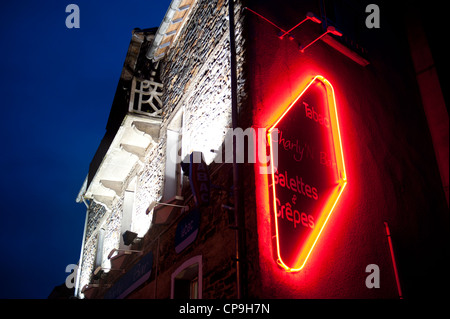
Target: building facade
x,y
337,186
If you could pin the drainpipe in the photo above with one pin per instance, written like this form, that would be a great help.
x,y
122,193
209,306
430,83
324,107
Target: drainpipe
x,y
394,263
238,199
80,263
157,268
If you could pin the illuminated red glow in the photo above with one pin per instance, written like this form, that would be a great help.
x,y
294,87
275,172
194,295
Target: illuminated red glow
x,y
324,212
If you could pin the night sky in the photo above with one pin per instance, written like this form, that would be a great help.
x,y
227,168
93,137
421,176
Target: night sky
x,y
57,87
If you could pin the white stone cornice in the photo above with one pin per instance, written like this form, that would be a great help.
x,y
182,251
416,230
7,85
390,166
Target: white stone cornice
x,y
135,137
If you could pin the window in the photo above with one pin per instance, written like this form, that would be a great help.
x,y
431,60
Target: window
x,y
99,253
127,213
173,174
186,288
187,280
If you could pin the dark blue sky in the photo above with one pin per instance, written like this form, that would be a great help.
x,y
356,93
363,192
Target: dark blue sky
x,y
57,87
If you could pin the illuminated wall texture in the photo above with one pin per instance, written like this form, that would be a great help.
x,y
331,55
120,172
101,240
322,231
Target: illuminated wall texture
x,y
392,175
197,79
195,76
390,172
108,220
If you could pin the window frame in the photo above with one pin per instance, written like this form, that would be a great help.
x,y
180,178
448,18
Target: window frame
x,y
199,278
175,129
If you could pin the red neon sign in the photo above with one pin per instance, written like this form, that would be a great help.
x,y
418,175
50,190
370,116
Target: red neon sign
x,y
310,174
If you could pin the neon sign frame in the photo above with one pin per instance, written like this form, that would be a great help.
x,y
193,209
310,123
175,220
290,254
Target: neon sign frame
x,y
326,211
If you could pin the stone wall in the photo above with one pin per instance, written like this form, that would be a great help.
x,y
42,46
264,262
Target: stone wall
x,y
196,78
215,243
149,187
109,220
96,215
